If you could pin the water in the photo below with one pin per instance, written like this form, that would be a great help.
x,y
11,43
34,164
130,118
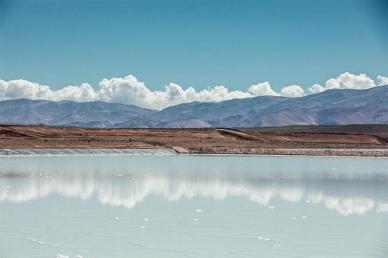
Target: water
x,y
193,206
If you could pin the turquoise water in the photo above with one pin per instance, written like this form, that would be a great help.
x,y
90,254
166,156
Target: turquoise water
x,y
193,206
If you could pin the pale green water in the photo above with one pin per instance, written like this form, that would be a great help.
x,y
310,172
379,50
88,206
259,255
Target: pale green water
x,y
191,206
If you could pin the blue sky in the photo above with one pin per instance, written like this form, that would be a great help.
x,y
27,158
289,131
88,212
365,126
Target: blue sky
x,y
192,42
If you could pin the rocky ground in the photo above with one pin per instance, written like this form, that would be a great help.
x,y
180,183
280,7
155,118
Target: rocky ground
x,y
357,140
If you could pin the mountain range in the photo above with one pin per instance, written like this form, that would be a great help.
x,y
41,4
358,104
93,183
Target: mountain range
x,y
332,107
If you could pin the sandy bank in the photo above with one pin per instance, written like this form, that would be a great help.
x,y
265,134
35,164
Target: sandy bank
x,y
314,141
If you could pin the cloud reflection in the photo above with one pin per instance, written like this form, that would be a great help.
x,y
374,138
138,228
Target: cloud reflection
x,y
127,188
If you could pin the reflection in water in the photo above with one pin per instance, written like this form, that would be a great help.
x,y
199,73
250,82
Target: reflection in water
x,y
126,181
192,206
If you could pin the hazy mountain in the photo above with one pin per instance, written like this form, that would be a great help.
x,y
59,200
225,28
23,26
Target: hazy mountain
x,y
335,107
93,114
230,113
330,107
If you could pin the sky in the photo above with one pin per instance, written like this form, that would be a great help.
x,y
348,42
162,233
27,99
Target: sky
x,y
172,45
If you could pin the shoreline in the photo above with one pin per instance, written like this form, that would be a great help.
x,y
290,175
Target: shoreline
x,y
339,141
319,152
55,152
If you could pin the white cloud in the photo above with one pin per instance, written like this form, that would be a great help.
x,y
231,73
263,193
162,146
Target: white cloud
x,y
382,80
23,89
351,81
345,81
16,89
84,92
129,90
126,90
292,91
316,88
262,89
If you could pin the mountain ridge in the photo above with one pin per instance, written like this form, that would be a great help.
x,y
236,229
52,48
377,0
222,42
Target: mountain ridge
x,y
336,107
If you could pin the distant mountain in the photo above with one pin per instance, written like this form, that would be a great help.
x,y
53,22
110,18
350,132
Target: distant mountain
x,y
85,114
229,113
332,107
336,107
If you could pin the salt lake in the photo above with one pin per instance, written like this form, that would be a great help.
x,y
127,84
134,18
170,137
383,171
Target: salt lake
x,y
100,206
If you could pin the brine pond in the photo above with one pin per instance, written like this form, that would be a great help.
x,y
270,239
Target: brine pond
x,y
167,206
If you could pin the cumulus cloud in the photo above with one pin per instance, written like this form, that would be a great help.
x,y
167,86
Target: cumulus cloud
x,y
345,81
16,89
84,92
292,91
316,88
130,90
23,89
382,80
127,90
262,89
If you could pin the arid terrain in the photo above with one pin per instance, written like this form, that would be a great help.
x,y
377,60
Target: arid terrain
x,y
353,140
